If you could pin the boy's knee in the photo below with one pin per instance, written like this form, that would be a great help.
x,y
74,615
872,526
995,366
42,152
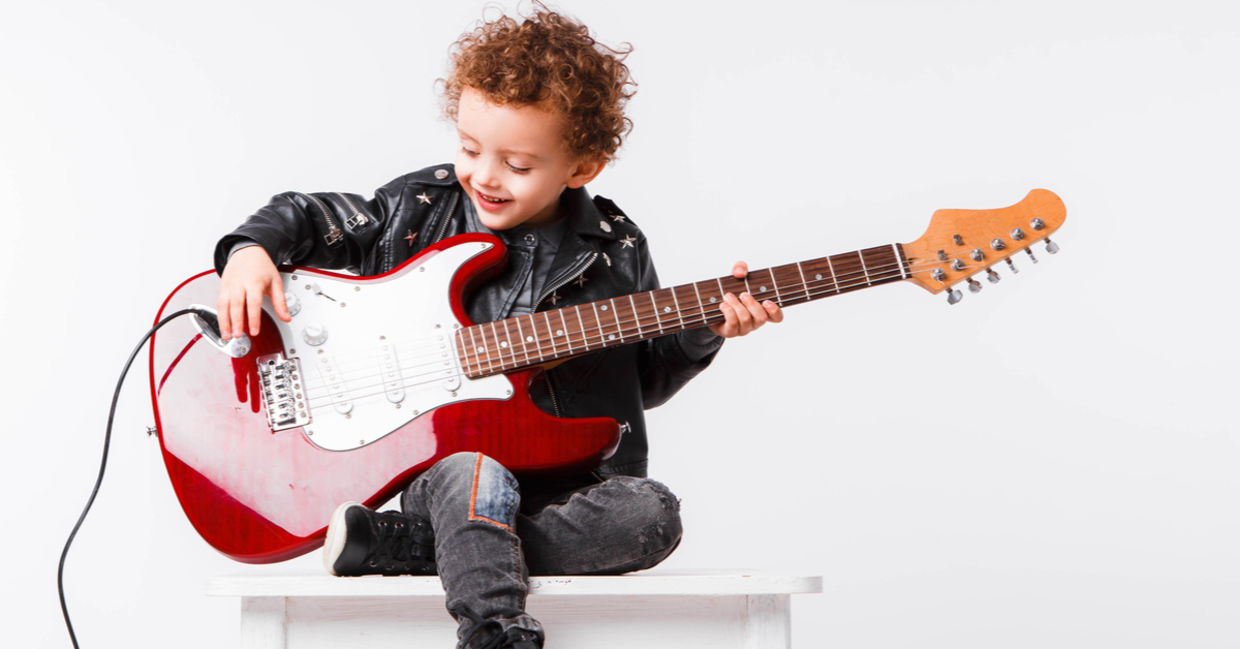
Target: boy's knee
x,y
661,528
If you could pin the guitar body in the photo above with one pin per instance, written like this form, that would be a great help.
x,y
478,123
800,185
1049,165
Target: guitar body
x,y
362,430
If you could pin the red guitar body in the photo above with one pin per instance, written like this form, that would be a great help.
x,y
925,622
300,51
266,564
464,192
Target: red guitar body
x,y
261,496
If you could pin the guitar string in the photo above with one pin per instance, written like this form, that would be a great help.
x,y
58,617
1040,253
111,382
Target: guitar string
x,y
372,359
440,375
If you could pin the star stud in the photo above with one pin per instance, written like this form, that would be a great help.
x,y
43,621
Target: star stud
x,y
617,217
411,236
581,281
627,241
423,198
555,298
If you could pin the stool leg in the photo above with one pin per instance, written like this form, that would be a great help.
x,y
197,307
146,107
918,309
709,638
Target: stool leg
x,y
769,623
264,622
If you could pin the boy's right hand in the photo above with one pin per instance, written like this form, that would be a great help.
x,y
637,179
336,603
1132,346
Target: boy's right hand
x,y
248,276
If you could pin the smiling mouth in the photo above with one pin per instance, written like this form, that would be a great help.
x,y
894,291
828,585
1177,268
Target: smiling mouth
x,y
493,200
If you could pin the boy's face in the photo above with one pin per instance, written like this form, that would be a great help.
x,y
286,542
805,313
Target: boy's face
x,y
513,162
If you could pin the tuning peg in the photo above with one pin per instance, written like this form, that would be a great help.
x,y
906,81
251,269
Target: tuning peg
x,y
992,276
1051,246
974,286
954,296
1029,251
1011,266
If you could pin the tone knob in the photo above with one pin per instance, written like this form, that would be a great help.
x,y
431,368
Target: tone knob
x,y
292,302
314,334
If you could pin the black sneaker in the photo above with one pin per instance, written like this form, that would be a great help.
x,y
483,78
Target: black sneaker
x,y
362,541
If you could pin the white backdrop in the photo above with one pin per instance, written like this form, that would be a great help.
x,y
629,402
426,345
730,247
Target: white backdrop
x,y
1052,462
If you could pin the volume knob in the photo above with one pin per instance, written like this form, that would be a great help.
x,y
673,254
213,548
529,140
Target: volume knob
x,y
314,334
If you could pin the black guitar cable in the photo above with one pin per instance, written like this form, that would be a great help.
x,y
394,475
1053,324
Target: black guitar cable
x,y
203,315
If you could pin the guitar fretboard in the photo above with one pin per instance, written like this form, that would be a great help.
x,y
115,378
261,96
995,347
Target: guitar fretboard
x,y
528,340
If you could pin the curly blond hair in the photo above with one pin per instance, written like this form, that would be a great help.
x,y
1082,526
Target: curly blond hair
x,y
550,60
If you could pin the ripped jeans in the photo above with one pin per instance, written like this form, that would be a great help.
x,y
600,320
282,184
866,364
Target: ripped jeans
x,y
487,544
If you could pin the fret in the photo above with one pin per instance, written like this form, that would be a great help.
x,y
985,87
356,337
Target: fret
x,y
610,309
895,250
804,284
522,338
680,317
534,338
636,320
602,337
550,335
654,304
506,344
864,271
567,338
581,324
746,280
834,278
498,346
774,284
701,305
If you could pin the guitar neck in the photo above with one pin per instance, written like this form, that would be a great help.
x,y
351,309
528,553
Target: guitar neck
x,y
525,341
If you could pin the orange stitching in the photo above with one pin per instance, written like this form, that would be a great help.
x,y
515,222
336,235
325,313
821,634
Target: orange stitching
x,y
473,499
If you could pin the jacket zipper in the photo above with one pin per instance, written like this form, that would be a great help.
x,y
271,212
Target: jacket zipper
x,y
572,277
334,233
358,219
447,217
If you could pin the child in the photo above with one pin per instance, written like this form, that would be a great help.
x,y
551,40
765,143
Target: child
x,y
539,110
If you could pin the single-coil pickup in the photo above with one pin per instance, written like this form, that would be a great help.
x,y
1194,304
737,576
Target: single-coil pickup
x,y
389,366
282,393
452,375
334,380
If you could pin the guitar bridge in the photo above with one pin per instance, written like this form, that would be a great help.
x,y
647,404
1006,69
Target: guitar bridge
x,y
282,393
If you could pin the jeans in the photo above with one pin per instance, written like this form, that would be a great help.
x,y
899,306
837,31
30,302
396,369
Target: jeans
x,y
487,544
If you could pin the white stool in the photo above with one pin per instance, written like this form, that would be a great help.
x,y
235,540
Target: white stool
x,y
741,611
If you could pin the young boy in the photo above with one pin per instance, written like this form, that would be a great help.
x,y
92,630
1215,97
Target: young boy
x,y
539,109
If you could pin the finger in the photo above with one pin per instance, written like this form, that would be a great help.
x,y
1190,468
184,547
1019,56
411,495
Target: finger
x,y
756,311
221,310
774,313
236,309
744,319
727,328
277,299
740,270
254,307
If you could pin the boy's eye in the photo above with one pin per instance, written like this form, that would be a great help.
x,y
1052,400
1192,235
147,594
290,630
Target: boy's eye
x,y
517,169
468,152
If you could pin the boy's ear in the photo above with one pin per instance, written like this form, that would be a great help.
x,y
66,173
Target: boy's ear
x,y
584,172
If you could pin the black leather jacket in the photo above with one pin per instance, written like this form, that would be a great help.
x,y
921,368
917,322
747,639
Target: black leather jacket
x,y
368,237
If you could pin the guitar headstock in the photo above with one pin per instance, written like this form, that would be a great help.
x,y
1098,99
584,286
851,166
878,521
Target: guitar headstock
x,y
962,243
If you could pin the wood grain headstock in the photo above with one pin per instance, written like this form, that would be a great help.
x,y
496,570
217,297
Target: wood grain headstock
x,y
962,243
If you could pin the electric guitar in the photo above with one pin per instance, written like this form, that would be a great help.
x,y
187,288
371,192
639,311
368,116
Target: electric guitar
x,y
377,378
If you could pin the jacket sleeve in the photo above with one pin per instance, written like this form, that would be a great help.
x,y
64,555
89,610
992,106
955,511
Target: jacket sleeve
x,y
666,363
322,230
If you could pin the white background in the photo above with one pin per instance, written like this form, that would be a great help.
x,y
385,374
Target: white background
x,y
1052,462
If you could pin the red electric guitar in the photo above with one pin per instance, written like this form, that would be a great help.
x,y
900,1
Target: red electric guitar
x,y
377,378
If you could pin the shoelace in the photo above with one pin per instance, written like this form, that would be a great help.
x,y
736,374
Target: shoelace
x,y
397,541
496,637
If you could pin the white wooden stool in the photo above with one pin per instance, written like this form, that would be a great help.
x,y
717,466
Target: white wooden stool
x,y
741,611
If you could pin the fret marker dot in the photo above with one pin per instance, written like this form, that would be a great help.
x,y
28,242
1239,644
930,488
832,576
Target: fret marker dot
x,y
761,289
529,339
611,336
559,332
503,343
713,300
481,349
603,308
667,309
819,276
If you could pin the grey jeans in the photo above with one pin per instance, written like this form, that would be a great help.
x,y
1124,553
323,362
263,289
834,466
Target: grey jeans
x,y
487,544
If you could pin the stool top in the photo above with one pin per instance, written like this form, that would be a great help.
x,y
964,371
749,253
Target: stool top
x,y
713,583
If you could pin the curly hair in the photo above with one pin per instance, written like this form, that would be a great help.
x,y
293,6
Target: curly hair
x,y
550,60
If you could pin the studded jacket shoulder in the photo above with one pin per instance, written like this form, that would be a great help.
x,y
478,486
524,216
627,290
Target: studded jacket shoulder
x,y
603,254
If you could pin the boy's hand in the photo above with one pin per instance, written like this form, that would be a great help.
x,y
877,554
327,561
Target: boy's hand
x,y
248,276
744,314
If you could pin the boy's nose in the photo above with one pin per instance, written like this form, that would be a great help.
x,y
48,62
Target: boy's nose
x,y
485,175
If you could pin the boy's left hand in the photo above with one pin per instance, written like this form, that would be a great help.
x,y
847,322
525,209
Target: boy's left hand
x,y
743,314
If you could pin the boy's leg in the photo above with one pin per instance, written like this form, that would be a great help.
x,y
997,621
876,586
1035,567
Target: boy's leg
x,y
618,525
471,501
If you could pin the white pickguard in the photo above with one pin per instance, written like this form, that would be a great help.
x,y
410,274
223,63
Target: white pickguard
x,y
387,354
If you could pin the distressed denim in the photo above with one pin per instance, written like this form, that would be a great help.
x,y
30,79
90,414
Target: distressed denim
x,y
487,544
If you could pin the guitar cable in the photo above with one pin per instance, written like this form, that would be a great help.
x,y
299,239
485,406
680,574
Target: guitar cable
x,y
203,314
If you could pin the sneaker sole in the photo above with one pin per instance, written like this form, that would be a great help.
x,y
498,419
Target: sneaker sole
x,y
334,544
